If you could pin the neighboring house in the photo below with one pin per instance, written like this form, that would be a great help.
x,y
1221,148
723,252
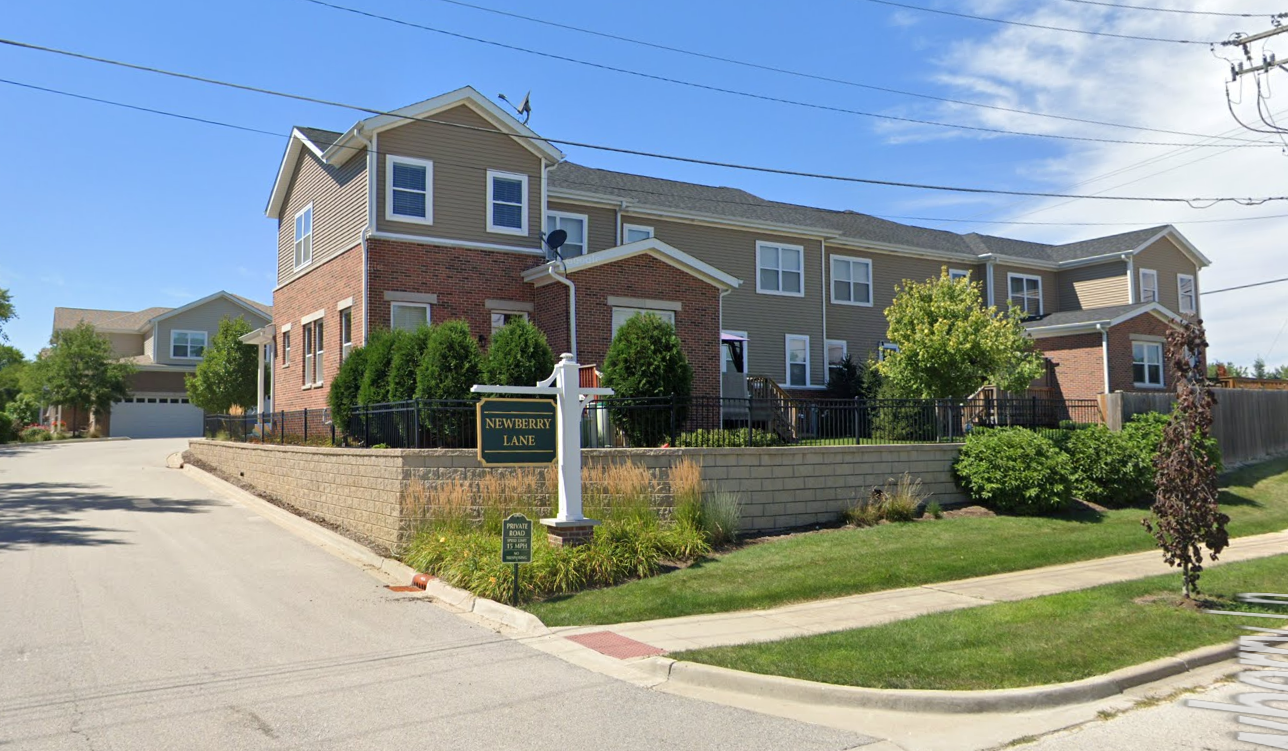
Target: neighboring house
x,y
437,212
165,345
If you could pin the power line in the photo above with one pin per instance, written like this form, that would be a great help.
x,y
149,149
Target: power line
x,y
823,78
1192,202
1172,10
1244,286
1010,22
735,92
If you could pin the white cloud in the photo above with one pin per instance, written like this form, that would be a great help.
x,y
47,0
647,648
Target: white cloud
x,y
1163,86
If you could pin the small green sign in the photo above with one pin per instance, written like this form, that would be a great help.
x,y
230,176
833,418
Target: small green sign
x,y
516,539
516,432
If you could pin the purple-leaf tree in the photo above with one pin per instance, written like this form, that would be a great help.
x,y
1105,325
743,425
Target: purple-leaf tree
x,y
1186,517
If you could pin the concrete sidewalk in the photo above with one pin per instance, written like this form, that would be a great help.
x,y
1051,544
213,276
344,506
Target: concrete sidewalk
x,y
858,611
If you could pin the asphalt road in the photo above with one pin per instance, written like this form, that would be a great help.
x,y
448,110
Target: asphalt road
x,y
138,610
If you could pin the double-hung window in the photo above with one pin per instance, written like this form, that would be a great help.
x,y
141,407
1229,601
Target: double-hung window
x,y
187,345
955,274
836,351
409,192
286,348
308,356
346,333
622,315
1026,293
1147,364
408,316
851,280
633,233
1185,292
501,317
507,203
797,360
304,237
780,269
314,338
1148,285
575,225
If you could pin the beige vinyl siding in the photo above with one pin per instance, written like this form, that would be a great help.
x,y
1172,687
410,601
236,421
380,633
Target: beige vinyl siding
x,y
1001,287
126,345
202,318
864,328
461,160
603,223
1168,260
149,344
767,319
1096,286
339,198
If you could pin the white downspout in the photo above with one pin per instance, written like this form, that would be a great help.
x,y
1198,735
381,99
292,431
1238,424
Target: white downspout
x,y
720,348
1131,279
988,278
572,308
545,207
822,269
259,387
1104,352
373,162
621,207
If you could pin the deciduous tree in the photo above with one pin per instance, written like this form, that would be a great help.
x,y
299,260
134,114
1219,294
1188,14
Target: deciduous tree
x,y
1186,515
6,313
950,344
79,370
228,373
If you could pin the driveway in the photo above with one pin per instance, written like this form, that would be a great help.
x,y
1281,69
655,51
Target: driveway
x,y
138,610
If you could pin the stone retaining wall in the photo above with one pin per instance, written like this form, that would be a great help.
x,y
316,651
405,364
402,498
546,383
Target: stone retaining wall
x,y
360,490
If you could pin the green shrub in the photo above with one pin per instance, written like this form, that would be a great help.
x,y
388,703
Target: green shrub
x,y
8,430
23,410
404,360
1106,467
721,439
721,515
1014,470
901,498
645,359
375,377
518,355
865,512
35,434
900,421
934,510
343,395
1144,432
451,363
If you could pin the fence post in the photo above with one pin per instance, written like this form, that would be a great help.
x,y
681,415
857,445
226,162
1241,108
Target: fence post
x,y
751,405
281,427
672,419
857,433
306,425
333,431
366,427
417,428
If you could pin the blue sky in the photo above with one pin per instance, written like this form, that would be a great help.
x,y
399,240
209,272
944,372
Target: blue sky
x,y
110,208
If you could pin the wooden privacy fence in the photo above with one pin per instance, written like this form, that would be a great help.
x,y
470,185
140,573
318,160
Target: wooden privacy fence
x,y
1248,424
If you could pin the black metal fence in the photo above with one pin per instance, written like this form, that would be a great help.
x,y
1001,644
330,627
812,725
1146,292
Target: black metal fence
x,y
666,421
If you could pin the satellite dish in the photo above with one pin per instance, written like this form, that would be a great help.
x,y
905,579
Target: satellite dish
x,y
556,239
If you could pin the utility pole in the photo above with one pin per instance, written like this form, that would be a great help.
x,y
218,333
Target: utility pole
x,y
1246,42
1250,66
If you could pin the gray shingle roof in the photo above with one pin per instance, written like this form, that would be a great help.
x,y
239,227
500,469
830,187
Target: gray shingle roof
x,y
66,318
320,138
1090,315
737,204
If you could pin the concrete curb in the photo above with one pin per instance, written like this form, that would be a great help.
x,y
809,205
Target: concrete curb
x,y
948,702
494,614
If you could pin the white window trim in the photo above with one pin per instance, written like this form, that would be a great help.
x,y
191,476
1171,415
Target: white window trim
x,y
827,345
831,288
1041,302
662,313
295,219
286,346
626,228
499,311
205,343
1151,274
1162,364
958,274
787,361
745,350
390,159
319,347
552,214
345,348
494,229
1194,294
428,312
760,246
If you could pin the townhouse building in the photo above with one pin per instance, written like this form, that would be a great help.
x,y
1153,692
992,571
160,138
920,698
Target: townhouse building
x,y
438,211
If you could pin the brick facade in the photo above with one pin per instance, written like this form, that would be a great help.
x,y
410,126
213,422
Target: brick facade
x,y
320,289
1120,354
697,322
1077,365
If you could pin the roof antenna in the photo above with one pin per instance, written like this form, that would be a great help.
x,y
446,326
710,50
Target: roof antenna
x,y
524,108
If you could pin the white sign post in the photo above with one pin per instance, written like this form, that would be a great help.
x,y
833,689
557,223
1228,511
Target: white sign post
x,y
569,526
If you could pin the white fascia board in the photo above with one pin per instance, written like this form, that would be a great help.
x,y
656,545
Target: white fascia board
x,y
297,142
1182,242
470,96
564,195
1116,257
901,250
207,299
650,246
697,217
1068,329
1024,263
1155,308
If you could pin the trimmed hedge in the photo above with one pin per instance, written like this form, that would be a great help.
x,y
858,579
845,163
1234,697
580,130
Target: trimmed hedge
x,y
450,364
645,359
1014,470
519,355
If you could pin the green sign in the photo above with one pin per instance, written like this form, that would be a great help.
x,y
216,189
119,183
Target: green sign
x,y
516,432
516,539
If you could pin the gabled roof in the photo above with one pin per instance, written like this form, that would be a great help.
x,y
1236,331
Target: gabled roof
x,y
337,148
651,247
132,322
1094,319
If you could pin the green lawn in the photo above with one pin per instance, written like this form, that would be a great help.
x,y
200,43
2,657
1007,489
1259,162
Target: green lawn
x,y
1053,639
853,561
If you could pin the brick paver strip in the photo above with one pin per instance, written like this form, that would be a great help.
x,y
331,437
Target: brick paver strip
x,y
615,645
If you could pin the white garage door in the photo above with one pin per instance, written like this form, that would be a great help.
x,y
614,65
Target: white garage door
x,y
156,416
